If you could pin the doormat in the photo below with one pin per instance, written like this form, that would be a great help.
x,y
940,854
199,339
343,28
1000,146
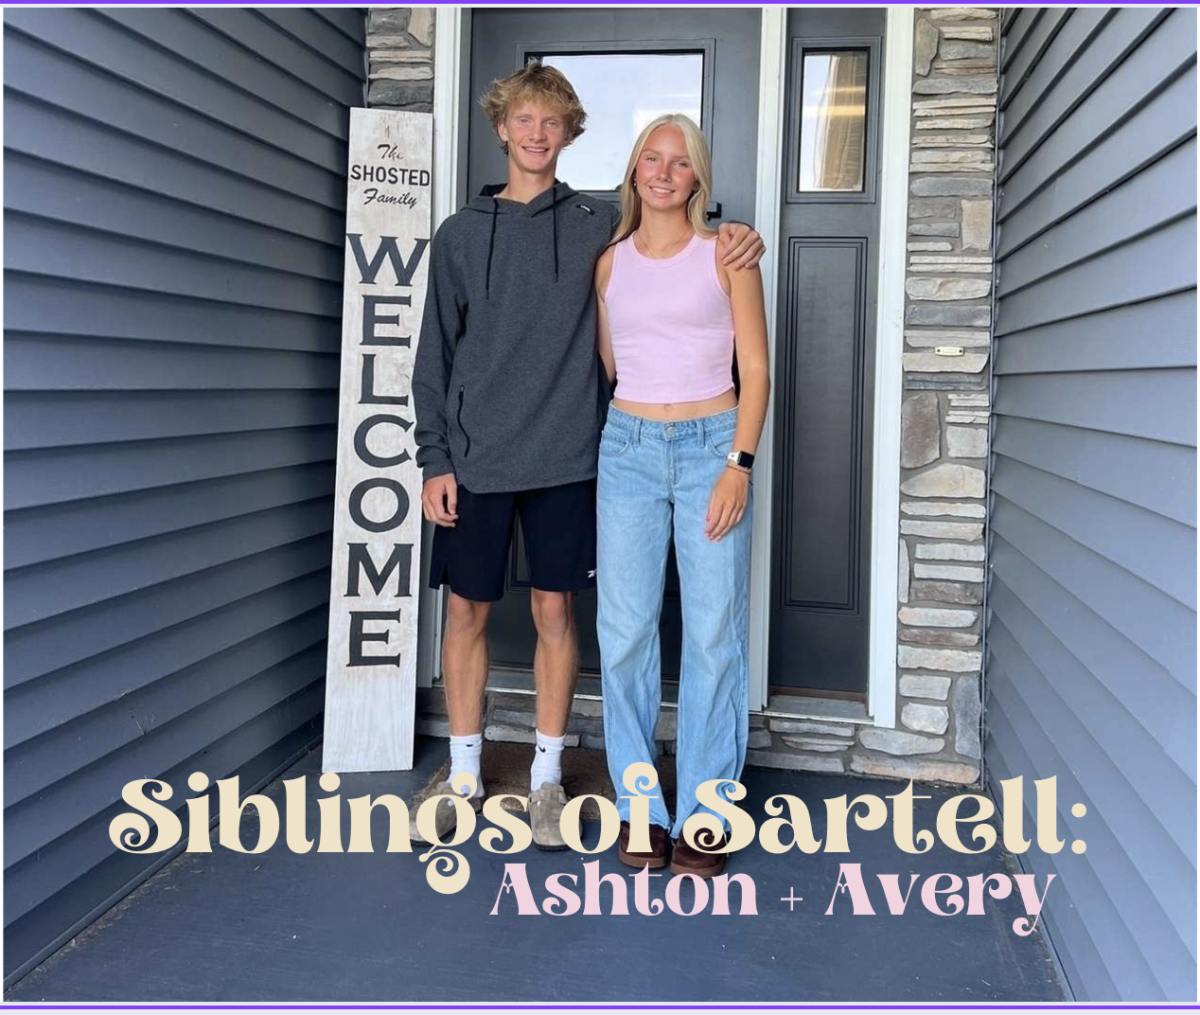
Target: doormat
x,y
505,769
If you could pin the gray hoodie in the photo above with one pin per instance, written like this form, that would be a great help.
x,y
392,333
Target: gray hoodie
x,y
508,387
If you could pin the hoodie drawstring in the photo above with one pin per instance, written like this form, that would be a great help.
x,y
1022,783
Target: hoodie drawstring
x,y
491,246
487,282
554,216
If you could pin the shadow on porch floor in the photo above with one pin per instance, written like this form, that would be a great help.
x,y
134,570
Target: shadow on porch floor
x,y
280,926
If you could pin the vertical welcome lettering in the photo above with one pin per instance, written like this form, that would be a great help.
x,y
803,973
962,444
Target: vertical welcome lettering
x,y
370,686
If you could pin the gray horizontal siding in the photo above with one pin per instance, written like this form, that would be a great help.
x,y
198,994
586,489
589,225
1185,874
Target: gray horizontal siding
x,y
174,203
1091,627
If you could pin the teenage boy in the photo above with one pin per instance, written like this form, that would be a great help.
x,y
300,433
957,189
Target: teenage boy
x,y
509,407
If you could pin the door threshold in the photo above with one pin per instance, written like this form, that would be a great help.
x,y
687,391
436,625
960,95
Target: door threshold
x,y
798,706
587,687
781,706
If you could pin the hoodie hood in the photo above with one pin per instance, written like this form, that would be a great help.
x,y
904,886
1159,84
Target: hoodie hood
x,y
490,204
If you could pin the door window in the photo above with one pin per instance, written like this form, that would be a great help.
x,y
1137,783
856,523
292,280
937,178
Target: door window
x,y
833,121
622,92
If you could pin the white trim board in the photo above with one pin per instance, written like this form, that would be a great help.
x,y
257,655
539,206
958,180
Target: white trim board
x,y
447,60
772,75
893,195
889,371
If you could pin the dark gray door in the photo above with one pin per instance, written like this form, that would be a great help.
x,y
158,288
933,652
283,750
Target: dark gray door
x,y
628,67
824,390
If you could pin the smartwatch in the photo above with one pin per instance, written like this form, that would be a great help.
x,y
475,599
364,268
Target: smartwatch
x,y
742,459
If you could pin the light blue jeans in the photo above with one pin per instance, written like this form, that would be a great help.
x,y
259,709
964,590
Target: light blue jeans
x,y
652,475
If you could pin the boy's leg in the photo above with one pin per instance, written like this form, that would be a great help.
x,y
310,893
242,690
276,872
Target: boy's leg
x,y
555,660
560,539
470,558
559,523
465,671
465,662
555,670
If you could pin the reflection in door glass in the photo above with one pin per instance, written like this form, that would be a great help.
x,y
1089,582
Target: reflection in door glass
x,y
622,92
833,121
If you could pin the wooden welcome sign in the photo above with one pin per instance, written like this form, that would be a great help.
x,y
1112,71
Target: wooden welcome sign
x,y
370,692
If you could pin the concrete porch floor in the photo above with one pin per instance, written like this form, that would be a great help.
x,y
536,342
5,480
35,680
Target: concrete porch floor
x,y
280,926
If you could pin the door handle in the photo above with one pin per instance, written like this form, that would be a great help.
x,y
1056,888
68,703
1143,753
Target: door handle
x,y
713,211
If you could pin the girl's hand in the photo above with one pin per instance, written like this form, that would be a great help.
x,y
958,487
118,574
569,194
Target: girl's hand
x,y
727,503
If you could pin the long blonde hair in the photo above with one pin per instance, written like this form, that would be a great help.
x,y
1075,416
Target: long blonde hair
x,y
697,149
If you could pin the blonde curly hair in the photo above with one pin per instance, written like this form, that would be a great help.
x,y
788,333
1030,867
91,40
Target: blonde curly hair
x,y
537,83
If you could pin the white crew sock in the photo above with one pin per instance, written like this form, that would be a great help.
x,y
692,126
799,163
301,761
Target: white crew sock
x,y
465,753
547,761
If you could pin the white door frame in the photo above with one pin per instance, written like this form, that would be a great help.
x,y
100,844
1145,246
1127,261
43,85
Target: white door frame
x,y
889,363
771,78
881,698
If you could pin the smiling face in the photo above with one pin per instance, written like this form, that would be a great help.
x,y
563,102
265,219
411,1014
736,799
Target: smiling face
x,y
535,134
664,175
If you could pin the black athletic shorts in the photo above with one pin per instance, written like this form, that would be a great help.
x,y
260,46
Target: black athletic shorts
x,y
559,525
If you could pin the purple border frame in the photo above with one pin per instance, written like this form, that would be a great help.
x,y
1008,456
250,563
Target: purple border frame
x,y
582,1006
1178,1006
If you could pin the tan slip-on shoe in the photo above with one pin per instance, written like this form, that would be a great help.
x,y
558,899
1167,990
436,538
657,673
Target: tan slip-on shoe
x,y
545,809
446,815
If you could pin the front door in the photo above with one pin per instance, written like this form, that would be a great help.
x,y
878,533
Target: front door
x,y
823,395
628,67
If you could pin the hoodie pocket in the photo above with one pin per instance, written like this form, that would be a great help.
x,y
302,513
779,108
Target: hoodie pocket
x,y
467,436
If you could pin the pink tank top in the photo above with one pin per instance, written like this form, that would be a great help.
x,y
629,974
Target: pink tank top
x,y
671,324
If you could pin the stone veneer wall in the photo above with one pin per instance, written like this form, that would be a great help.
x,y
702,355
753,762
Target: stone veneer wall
x,y
400,49
944,423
